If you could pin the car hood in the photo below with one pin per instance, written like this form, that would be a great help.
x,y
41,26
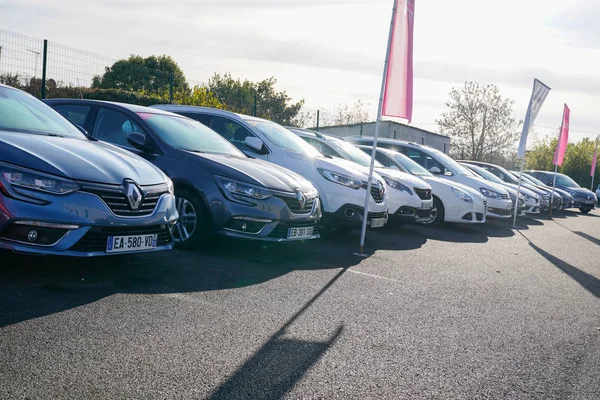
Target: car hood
x,y
434,181
403,177
250,170
346,167
83,160
581,192
476,182
524,189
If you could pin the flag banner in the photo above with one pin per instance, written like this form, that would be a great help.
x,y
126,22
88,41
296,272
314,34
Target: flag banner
x,y
593,171
540,92
398,92
563,139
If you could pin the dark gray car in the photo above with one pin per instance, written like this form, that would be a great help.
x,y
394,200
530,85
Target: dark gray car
x,y
218,189
584,199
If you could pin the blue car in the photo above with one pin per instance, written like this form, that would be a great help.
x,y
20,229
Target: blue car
x,y
583,198
219,190
62,193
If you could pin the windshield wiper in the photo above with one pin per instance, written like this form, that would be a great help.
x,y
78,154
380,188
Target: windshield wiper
x,y
194,151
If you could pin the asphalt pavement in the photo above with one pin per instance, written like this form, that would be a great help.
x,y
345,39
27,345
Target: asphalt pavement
x,y
461,312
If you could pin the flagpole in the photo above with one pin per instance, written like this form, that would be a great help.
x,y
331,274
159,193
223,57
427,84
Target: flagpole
x,y
553,187
518,191
377,124
594,170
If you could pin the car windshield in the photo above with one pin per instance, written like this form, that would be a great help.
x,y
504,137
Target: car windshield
x,y
283,138
532,179
186,134
411,166
451,163
23,113
564,180
487,175
352,153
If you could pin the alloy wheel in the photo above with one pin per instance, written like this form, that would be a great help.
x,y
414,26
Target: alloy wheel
x,y
188,219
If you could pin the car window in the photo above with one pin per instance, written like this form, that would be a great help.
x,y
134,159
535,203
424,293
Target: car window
x,y
77,114
283,138
317,145
564,180
202,118
425,160
383,159
230,130
113,127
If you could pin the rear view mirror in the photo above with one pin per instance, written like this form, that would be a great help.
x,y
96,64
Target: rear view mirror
x,y
435,170
138,140
254,143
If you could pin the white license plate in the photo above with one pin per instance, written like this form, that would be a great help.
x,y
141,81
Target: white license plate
x,y
377,222
300,233
425,206
116,244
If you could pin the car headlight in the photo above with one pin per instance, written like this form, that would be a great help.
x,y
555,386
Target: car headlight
x,y
241,191
341,179
461,194
170,186
397,185
14,179
490,193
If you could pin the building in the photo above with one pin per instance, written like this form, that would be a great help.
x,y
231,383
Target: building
x,y
391,130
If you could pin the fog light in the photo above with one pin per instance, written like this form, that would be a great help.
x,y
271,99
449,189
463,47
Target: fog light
x,y
32,235
251,227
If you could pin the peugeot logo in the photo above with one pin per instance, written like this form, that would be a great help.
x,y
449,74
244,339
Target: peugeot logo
x,y
133,193
300,197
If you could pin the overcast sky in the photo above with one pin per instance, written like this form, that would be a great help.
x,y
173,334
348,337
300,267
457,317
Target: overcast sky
x,y
331,51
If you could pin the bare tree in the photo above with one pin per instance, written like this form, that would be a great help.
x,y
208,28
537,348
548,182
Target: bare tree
x,y
480,122
345,114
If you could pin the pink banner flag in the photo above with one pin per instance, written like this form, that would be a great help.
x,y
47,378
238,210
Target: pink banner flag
x,y
592,172
398,95
563,139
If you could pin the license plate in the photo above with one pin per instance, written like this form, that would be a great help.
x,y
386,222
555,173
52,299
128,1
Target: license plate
x,y
300,233
116,244
377,222
425,206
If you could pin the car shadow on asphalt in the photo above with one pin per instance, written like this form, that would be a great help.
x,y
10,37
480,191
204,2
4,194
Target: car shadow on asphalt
x,y
32,287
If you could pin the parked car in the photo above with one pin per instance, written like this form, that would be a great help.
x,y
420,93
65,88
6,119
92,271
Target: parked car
x,y
598,194
528,200
342,189
452,202
442,165
62,193
409,197
561,201
584,199
219,190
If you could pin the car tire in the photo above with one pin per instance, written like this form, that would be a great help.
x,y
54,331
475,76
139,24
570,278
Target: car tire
x,y
585,210
438,208
191,229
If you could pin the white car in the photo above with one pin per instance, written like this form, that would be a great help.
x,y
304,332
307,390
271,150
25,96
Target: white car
x,y
444,166
342,189
410,197
452,202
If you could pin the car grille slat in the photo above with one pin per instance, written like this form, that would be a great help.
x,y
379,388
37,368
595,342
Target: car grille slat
x,y
424,194
374,215
504,196
424,213
375,192
114,197
97,237
294,205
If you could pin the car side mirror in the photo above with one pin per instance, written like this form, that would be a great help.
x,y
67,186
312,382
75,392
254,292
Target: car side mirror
x,y
254,143
435,170
448,173
138,140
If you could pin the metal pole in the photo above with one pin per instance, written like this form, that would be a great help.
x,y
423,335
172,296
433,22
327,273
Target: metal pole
x,y
518,191
254,108
594,171
171,87
44,61
318,112
377,124
553,186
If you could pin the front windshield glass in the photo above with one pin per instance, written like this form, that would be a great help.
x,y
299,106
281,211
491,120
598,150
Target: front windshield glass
x,y
564,180
411,166
186,134
352,153
451,163
283,138
487,175
20,112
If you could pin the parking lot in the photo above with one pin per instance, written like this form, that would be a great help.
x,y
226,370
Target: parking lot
x,y
460,312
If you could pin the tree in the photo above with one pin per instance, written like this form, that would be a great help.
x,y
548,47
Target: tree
x,y
480,122
146,75
239,96
198,96
344,114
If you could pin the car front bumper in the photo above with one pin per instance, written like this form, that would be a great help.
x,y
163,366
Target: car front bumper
x,y
581,202
499,208
79,224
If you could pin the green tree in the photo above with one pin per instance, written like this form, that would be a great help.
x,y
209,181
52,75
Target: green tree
x,y
198,96
239,96
480,122
146,75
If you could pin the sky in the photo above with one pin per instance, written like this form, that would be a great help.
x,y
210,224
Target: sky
x,y
331,52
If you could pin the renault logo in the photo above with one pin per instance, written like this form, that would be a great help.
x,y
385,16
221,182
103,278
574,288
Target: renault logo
x,y
300,197
133,193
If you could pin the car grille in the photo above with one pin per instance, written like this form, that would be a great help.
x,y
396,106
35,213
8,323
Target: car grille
x,y
375,192
373,215
281,230
97,237
424,213
504,196
424,194
294,205
115,198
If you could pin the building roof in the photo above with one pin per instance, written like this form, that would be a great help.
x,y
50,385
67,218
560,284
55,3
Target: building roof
x,y
390,122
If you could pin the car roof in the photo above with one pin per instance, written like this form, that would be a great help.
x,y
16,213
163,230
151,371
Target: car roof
x,y
207,110
380,149
390,141
131,107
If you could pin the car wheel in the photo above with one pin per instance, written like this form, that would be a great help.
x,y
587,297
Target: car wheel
x,y
437,213
190,230
585,210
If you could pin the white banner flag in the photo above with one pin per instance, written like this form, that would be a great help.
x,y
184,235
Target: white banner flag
x,y
540,92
